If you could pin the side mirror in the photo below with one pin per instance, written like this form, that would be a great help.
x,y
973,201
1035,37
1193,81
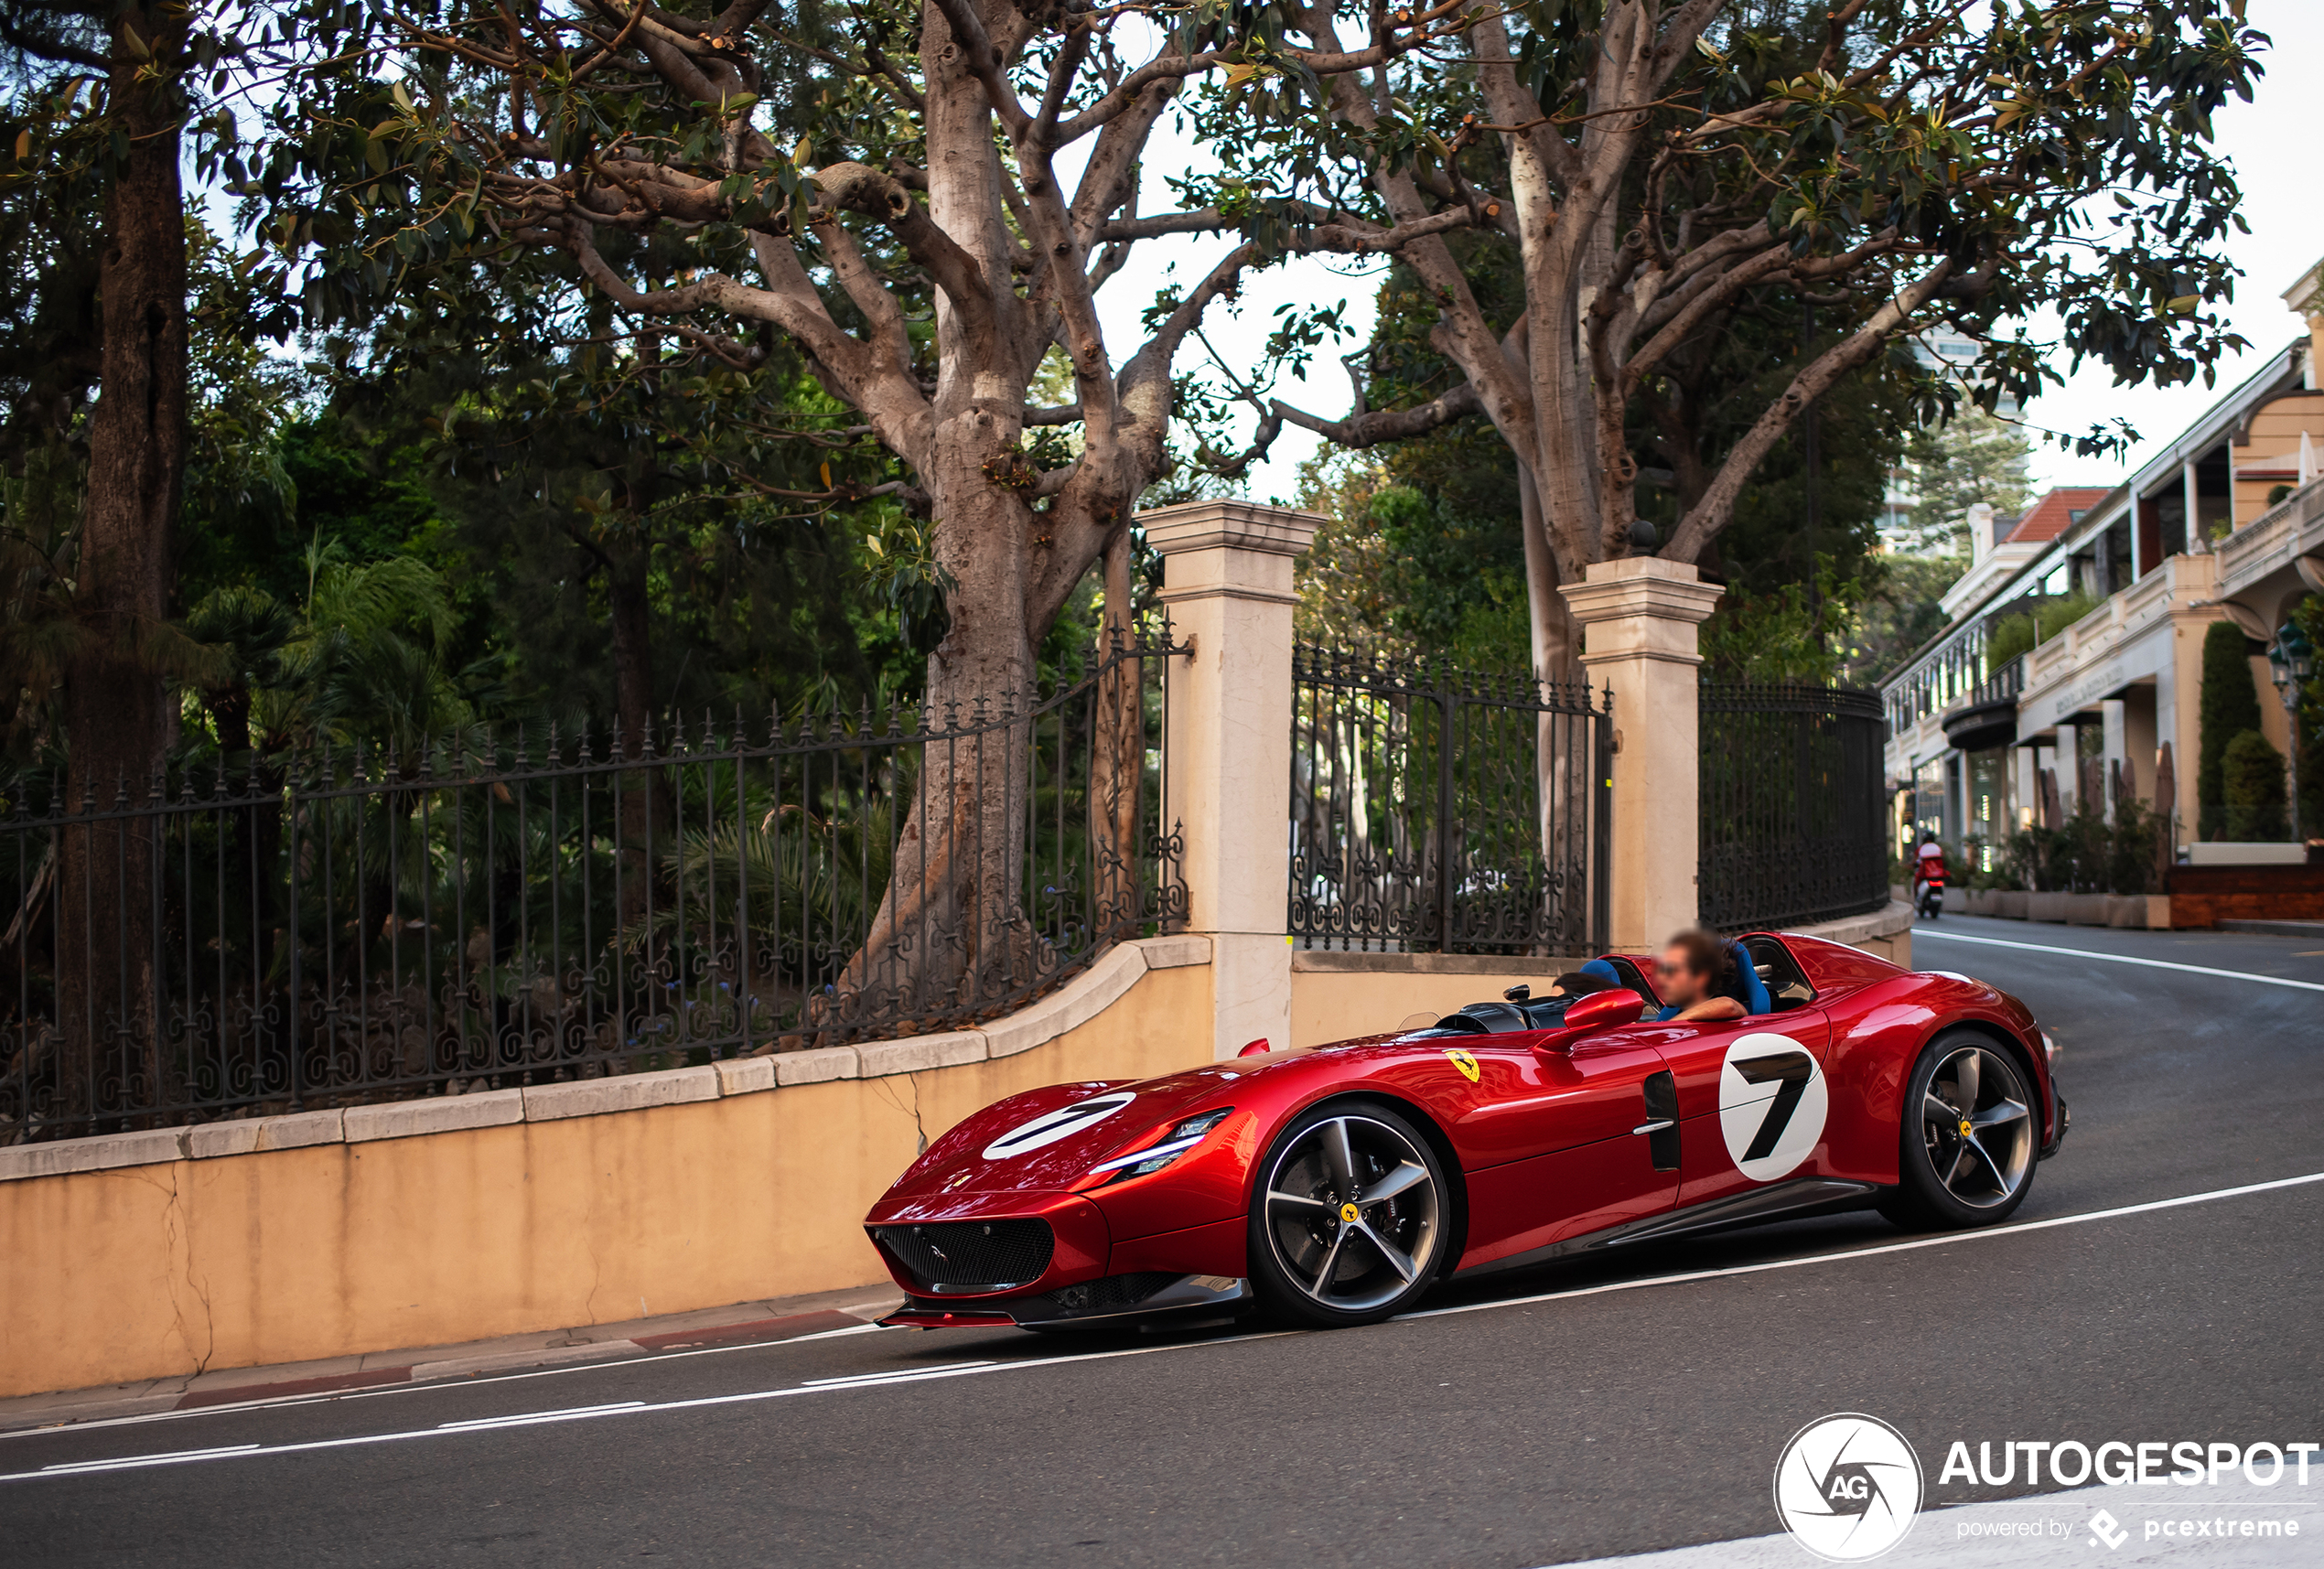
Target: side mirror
x,y
1598,1011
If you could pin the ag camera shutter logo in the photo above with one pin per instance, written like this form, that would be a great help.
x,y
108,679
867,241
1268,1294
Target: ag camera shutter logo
x,y
1848,1488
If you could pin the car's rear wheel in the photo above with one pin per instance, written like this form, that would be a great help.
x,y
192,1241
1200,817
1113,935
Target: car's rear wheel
x,y
1347,1218
1970,1128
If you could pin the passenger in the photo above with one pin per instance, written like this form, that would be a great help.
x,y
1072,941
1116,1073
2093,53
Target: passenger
x,y
1580,983
1694,973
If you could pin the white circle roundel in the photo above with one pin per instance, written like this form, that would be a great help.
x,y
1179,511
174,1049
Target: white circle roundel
x,y
1772,1101
1848,1488
1061,1123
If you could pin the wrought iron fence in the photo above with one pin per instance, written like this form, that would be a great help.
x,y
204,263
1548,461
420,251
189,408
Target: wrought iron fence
x,y
1433,808
348,927
1792,805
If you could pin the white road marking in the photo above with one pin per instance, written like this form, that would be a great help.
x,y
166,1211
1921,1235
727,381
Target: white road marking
x,y
1919,932
322,1397
1949,1239
890,1379
2050,1530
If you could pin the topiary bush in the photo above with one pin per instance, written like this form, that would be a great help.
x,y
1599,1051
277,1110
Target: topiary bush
x,y
2252,780
2230,706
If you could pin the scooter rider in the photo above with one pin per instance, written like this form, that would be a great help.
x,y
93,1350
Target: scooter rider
x,y
1929,871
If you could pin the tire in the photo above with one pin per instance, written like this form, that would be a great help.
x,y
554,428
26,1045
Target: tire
x,y
1969,1138
1349,1216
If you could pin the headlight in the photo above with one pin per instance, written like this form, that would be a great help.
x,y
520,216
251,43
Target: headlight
x,y
1182,1137
2049,1048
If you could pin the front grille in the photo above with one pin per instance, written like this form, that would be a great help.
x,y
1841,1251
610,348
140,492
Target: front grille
x,y
979,1254
1109,1295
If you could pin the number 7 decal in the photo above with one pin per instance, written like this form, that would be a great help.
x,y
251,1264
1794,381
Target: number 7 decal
x,y
1772,1101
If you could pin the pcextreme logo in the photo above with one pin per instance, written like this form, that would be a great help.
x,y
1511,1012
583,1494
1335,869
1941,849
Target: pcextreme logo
x,y
1847,1487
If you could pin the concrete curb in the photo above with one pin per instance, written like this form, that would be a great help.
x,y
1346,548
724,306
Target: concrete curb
x,y
1076,1003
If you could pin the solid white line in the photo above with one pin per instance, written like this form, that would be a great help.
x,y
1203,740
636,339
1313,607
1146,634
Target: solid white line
x,y
136,1462
525,1418
897,1373
1919,932
874,1381
322,1397
132,1460
1949,1239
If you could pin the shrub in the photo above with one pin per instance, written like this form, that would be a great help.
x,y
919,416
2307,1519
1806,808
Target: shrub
x,y
2230,706
2252,780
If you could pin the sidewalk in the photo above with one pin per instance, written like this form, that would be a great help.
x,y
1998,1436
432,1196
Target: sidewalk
x,y
776,1318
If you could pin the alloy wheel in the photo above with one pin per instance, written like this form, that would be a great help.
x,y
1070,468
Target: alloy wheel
x,y
1978,1126
1352,1213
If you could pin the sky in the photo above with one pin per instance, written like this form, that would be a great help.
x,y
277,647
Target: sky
x,y
2272,142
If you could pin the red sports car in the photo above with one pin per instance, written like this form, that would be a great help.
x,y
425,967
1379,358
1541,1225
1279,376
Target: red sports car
x,y
1336,1184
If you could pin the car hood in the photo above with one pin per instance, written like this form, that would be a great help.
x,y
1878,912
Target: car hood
x,y
1049,1139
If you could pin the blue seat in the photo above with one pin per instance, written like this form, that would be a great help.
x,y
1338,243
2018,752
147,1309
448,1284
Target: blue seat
x,y
1748,989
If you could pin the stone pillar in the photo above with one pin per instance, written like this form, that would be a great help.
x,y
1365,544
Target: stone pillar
x,y
1639,617
1227,582
2113,733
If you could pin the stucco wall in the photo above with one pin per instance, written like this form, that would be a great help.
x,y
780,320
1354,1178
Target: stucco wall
x,y
288,1255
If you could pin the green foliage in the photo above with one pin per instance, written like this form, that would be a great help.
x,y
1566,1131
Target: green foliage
x,y
1973,457
2091,854
2310,726
2230,706
2021,631
2251,774
1786,634
1422,554
1900,610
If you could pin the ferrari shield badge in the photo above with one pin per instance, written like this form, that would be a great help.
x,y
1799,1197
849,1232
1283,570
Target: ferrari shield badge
x,y
1462,1060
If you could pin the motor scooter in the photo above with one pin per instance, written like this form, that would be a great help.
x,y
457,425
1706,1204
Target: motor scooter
x,y
1931,903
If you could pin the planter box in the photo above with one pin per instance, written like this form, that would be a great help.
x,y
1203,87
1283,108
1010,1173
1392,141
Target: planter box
x,y
2158,911
2126,910
1980,901
2230,853
2010,904
2047,907
1956,901
2089,909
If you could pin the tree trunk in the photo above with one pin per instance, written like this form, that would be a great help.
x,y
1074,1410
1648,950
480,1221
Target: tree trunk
x,y
1117,758
119,722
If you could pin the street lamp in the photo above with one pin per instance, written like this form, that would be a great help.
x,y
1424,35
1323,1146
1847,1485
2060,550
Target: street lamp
x,y
2291,661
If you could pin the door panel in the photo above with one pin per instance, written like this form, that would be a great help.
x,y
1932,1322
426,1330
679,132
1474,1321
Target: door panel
x,y
1573,1159
1777,1101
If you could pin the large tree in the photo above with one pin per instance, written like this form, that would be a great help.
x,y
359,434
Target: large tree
x,y
921,200
1650,168
105,97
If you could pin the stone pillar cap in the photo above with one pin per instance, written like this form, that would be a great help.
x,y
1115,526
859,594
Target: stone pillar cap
x,y
1646,586
1229,524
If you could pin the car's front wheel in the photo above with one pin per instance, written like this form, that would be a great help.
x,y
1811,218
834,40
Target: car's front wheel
x,y
1971,1129
1347,1216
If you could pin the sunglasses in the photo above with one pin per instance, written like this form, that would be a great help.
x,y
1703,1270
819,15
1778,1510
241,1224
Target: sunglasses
x,y
1666,969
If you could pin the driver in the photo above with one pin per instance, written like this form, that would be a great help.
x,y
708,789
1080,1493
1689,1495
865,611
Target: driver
x,y
1695,971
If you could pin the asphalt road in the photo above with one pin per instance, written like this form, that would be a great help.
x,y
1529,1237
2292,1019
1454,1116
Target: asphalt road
x,y
1578,1412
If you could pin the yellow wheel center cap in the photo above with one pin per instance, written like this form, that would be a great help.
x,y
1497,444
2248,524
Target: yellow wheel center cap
x,y
1350,1214
1964,1127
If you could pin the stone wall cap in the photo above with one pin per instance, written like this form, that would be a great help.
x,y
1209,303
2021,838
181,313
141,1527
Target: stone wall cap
x,y
619,1092
434,1115
817,1067
101,1153
301,1130
1885,922
916,1054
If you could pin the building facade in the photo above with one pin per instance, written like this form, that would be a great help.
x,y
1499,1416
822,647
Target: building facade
x,y
2071,664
